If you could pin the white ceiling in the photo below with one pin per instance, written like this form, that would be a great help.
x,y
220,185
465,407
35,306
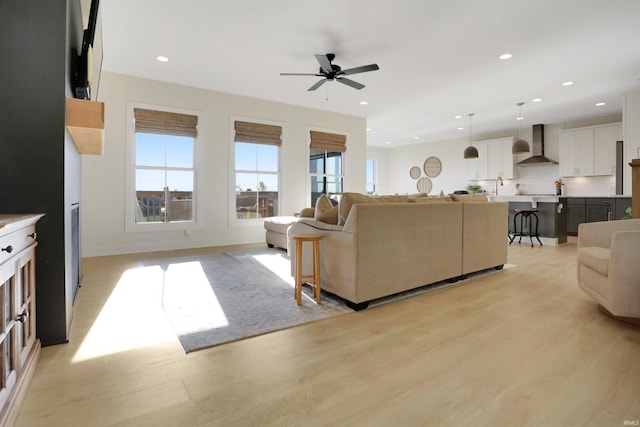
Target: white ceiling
x,y
437,58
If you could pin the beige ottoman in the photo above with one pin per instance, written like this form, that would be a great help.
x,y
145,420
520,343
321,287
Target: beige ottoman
x,y
276,230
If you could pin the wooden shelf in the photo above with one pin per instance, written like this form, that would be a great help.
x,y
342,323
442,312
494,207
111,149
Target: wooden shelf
x,y
85,121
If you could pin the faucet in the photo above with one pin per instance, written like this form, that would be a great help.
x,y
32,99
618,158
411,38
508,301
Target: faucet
x,y
501,184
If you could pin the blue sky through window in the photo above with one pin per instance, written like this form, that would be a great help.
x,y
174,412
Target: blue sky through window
x,y
164,151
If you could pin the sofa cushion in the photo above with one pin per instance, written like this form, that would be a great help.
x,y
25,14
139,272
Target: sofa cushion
x,y
347,200
432,199
595,258
468,198
279,224
325,211
307,213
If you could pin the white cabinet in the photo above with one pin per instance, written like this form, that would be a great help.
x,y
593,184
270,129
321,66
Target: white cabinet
x,y
500,159
589,151
576,152
605,138
477,168
19,347
494,160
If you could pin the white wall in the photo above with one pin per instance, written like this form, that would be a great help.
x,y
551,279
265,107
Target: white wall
x,y
103,181
394,169
631,130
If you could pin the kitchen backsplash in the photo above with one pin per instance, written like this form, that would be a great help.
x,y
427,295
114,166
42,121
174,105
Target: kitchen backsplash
x,y
541,180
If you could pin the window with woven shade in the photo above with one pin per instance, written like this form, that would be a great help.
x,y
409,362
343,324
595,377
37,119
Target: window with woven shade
x,y
326,152
257,172
164,158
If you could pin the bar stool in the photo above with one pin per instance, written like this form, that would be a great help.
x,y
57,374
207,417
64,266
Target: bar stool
x,y
525,215
313,279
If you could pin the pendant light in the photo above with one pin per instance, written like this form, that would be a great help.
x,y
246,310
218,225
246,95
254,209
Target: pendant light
x,y
470,152
520,146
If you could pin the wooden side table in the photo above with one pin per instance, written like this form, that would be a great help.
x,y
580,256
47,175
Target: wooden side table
x,y
313,279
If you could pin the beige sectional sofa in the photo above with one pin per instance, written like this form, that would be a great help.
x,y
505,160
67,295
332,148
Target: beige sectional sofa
x,y
382,247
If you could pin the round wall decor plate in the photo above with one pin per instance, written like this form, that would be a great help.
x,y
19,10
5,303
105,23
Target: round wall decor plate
x,y
424,185
414,172
432,167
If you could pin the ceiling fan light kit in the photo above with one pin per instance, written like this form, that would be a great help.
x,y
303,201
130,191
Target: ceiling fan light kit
x,y
470,152
520,146
330,71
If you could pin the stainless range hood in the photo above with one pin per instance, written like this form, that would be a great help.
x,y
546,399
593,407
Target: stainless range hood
x,y
537,149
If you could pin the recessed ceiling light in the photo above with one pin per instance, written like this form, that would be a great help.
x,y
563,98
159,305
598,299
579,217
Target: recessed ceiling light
x,y
368,129
363,102
460,128
536,100
569,83
162,58
505,56
520,118
416,137
387,142
457,117
600,104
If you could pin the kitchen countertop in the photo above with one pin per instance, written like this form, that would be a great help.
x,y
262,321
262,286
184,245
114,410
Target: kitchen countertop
x,y
534,199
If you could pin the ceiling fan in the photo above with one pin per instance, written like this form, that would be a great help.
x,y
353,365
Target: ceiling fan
x,y
334,72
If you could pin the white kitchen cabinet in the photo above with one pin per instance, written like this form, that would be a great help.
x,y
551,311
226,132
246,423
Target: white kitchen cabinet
x,y
477,168
577,152
494,160
500,159
589,151
605,138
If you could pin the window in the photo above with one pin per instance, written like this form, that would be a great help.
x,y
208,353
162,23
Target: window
x,y
164,159
371,176
326,164
257,170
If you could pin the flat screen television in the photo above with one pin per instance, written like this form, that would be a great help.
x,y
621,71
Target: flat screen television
x,y
85,71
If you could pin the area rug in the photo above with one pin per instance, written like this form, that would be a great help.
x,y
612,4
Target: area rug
x,y
213,299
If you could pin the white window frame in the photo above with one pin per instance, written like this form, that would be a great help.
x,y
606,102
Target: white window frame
x,y
375,175
309,202
249,222
130,189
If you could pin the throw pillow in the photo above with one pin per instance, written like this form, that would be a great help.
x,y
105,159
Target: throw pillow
x,y
308,213
325,211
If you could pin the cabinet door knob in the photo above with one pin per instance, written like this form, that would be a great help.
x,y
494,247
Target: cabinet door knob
x,y
23,317
8,249
34,235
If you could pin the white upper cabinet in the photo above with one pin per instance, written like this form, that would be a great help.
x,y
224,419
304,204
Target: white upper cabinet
x,y
589,151
494,160
477,168
500,159
605,138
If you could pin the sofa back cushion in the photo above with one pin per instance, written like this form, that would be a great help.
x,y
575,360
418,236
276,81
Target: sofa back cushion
x,y
325,211
347,200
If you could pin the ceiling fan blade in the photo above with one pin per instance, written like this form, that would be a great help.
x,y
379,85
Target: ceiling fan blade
x,y
362,69
351,83
317,85
301,74
325,64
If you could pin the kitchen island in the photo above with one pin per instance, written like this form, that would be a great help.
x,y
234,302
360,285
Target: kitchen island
x,y
552,214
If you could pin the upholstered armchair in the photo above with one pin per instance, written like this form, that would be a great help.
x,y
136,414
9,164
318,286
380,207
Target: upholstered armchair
x,y
609,266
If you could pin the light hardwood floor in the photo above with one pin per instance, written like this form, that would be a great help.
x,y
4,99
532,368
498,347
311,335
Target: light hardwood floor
x,y
523,347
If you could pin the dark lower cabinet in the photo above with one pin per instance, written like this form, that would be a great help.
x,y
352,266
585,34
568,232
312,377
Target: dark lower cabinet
x,y
576,214
599,209
594,209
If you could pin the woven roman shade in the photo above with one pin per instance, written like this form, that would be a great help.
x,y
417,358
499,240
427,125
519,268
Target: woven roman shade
x,y
165,123
258,133
328,141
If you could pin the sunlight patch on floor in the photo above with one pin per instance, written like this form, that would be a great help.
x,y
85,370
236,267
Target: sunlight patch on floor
x,y
133,315
277,264
201,300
